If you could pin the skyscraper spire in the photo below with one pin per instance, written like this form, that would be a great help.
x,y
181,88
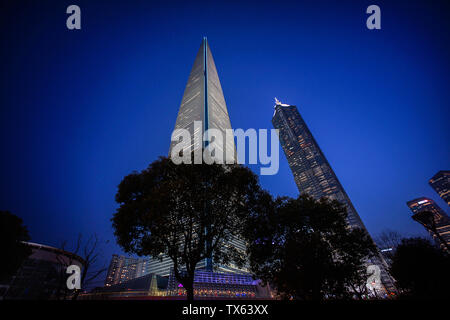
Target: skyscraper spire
x,y
203,100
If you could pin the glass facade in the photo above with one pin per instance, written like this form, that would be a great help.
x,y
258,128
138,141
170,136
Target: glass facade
x,y
440,219
203,100
441,184
312,172
122,269
163,267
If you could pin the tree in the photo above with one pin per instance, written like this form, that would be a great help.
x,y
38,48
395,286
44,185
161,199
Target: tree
x,y
421,270
389,240
12,233
89,252
304,248
186,212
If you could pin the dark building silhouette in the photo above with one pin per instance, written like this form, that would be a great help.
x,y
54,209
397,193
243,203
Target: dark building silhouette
x,y
42,275
433,218
441,184
312,172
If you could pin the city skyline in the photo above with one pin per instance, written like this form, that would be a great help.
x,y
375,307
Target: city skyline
x,y
94,111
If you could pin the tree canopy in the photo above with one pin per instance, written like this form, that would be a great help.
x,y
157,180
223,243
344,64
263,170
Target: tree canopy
x,y
304,248
187,212
421,269
12,233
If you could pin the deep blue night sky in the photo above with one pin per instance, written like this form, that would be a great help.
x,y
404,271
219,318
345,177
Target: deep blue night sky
x,y
82,109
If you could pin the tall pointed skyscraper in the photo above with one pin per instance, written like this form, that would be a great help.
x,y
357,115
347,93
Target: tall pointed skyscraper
x,y
313,174
203,101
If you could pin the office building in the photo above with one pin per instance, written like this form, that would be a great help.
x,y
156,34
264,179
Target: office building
x,y
314,175
122,269
203,101
441,184
433,218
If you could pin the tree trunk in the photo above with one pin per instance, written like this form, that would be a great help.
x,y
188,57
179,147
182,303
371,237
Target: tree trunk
x,y
190,293
316,294
75,295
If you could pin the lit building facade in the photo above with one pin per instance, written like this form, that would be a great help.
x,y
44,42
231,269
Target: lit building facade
x,y
122,269
203,101
221,285
441,184
433,218
313,174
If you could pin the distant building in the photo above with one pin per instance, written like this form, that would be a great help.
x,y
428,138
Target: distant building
x,y
441,184
42,275
122,269
433,218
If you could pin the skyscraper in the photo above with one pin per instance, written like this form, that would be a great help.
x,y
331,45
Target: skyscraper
x,y
441,184
312,172
203,101
433,218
